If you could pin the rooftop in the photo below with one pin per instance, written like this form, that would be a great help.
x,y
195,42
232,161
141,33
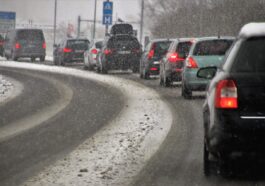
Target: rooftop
x,y
252,30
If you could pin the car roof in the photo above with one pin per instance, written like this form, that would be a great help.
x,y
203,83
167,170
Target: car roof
x,y
161,40
28,29
214,38
252,30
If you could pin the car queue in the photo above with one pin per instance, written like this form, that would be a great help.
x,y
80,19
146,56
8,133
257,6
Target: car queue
x,y
230,70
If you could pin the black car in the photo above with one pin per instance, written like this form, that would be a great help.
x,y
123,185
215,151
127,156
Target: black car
x,y
234,111
1,45
171,65
119,52
25,43
69,51
153,53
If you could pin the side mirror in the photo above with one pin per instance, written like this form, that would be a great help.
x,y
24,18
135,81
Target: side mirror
x,y
207,72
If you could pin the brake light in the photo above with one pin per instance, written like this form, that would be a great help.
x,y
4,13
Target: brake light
x,y
191,63
94,51
17,46
107,51
174,57
1,42
153,69
226,95
151,54
67,50
44,45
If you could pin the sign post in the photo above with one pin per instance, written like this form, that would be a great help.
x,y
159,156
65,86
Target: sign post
x,y
7,21
107,14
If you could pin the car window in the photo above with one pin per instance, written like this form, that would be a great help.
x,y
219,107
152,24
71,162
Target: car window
x,y
161,48
78,44
99,44
251,56
118,42
212,47
184,48
30,35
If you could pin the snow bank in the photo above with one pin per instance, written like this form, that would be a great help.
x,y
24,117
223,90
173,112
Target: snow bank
x,y
116,153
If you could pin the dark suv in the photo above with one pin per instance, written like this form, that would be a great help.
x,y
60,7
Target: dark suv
x,y
25,43
234,111
69,51
153,53
119,52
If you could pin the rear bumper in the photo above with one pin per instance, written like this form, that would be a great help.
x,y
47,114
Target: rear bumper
x,y
231,133
121,62
21,53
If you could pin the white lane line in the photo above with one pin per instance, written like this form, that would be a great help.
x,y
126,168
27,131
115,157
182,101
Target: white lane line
x,y
116,153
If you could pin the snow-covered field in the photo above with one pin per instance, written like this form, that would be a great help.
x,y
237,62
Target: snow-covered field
x,y
116,153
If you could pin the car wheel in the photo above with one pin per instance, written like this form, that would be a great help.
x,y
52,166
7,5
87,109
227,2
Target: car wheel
x,y
206,161
32,59
146,74
85,67
13,57
42,58
135,69
185,92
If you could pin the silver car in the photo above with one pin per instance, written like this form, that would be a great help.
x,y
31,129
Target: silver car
x,y
90,55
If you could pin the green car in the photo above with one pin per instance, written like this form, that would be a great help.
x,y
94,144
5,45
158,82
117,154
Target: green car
x,y
204,52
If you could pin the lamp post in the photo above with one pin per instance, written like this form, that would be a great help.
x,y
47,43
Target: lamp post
x,y
95,18
54,22
142,21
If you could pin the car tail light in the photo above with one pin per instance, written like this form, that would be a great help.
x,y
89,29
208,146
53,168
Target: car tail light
x,y
1,42
44,45
94,51
67,50
191,63
17,46
226,95
153,69
107,51
151,54
174,57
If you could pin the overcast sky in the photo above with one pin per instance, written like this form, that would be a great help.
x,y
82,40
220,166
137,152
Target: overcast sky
x,y
42,11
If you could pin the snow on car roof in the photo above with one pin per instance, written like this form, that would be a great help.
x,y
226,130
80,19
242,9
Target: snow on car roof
x,y
252,30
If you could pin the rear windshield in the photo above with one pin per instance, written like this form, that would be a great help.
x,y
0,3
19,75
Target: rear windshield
x,y
124,41
99,44
212,47
78,44
30,35
161,48
184,48
251,56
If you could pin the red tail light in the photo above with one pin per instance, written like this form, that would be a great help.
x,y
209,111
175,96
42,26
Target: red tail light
x,y
226,95
44,45
107,51
153,69
191,63
151,54
174,57
17,46
1,42
67,50
94,51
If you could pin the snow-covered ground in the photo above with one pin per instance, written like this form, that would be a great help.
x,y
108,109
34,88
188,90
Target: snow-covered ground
x,y
116,153
6,88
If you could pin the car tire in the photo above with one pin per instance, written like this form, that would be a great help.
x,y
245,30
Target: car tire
x,y
13,57
185,92
42,58
146,74
206,161
167,82
135,69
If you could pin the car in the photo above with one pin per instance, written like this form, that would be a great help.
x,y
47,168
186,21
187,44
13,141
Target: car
x,y
171,64
90,55
70,50
204,52
25,43
234,112
150,59
119,52
1,45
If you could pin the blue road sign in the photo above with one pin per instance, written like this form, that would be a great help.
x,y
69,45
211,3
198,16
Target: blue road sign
x,y
107,13
7,21
8,15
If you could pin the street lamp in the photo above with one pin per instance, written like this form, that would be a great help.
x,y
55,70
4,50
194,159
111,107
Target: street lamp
x,y
54,23
95,18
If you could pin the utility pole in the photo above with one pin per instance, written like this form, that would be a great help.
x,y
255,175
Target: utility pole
x,y
54,23
142,21
78,26
95,18
107,27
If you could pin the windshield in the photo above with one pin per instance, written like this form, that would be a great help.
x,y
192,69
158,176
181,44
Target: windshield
x,y
132,93
78,44
211,48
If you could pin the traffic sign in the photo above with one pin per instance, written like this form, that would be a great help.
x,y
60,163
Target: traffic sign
x,y
7,21
107,13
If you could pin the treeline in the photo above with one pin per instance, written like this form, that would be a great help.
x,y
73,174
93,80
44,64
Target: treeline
x,y
195,18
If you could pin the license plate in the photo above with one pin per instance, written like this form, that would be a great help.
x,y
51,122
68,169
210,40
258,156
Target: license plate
x,y
124,52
